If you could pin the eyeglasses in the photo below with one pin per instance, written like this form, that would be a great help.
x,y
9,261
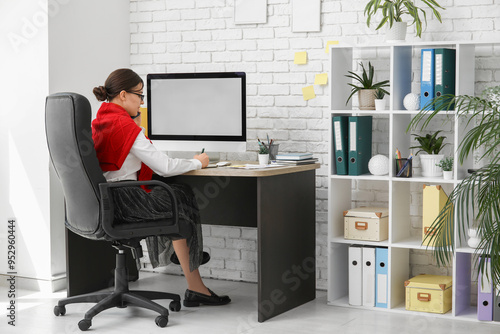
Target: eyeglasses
x,y
140,95
137,115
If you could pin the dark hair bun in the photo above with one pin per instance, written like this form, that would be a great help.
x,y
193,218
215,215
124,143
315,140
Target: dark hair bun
x,y
100,93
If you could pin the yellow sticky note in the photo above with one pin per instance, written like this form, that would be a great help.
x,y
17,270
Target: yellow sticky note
x,y
327,50
321,79
308,93
300,58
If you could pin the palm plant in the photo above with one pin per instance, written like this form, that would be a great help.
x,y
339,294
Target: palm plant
x,y
476,199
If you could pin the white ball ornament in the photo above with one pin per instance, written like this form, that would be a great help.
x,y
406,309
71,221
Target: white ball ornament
x,y
379,165
412,101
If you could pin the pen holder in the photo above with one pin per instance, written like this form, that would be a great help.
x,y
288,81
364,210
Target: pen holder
x,y
273,151
405,165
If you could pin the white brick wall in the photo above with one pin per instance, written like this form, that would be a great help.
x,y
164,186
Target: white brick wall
x,y
199,35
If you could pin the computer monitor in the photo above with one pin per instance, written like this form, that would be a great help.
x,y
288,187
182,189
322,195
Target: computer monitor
x,y
192,111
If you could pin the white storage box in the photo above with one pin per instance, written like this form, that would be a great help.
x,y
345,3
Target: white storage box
x,y
369,223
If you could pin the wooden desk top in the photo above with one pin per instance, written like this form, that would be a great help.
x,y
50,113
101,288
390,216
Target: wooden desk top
x,y
270,171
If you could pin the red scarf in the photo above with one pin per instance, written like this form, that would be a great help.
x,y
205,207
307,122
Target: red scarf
x,y
114,133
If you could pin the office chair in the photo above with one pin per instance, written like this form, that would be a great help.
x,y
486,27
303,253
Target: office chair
x,y
89,207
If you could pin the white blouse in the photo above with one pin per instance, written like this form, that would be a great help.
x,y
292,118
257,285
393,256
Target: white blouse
x,y
144,151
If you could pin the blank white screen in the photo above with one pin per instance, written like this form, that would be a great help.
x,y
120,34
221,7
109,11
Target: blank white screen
x,y
210,107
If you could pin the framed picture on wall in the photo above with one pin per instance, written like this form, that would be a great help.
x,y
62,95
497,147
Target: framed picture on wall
x,y
306,15
250,11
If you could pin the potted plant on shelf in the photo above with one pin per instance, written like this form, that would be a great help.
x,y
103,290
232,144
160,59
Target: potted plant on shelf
x,y
432,145
366,88
446,165
392,12
475,199
379,99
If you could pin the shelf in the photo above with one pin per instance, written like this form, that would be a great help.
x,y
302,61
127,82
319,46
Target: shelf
x,y
416,44
387,112
411,243
401,64
467,250
361,177
422,179
344,302
371,177
342,240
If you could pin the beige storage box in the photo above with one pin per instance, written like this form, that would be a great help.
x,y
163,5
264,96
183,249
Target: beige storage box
x,y
429,293
368,223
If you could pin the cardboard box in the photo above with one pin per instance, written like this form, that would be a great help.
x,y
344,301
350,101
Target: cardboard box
x,y
369,223
429,293
433,201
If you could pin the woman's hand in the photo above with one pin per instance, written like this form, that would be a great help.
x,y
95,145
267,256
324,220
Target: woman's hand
x,y
203,159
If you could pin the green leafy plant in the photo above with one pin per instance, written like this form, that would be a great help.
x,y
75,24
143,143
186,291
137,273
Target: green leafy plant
x,y
263,149
379,94
446,164
365,81
430,144
475,199
392,11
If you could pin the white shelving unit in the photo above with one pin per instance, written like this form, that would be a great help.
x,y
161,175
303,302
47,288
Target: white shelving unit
x,y
404,67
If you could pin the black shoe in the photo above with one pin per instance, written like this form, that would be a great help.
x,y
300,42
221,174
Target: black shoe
x,y
193,299
175,260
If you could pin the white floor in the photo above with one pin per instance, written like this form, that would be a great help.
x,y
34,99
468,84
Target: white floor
x,y
35,315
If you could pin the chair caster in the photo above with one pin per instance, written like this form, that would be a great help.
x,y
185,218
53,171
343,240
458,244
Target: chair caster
x,y
161,321
84,324
174,306
59,310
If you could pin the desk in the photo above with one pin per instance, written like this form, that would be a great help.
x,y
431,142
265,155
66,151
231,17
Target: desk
x,y
280,203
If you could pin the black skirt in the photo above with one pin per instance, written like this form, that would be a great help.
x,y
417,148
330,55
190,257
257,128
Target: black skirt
x,y
133,205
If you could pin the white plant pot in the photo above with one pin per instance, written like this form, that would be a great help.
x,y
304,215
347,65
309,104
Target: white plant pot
x,y
428,163
447,174
397,33
263,159
379,104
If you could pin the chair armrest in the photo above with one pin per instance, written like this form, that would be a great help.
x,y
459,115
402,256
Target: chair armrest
x,y
149,227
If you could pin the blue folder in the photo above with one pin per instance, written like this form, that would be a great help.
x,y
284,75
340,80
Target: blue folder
x,y
381,277
427,76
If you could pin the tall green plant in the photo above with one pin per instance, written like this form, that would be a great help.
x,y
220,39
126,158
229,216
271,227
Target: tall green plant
x,y
392,11
475,200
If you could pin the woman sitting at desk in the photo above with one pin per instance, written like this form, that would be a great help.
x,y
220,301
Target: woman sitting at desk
x,y
125,153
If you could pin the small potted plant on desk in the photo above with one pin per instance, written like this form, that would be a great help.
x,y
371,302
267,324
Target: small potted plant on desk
x,y
432,145
446,165
366,88
263,154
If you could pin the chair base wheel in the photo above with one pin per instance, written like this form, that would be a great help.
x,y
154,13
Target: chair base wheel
x,y
161,321
174,306
84,324
59,310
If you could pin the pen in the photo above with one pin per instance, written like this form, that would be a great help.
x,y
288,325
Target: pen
x,y
202,150
405,165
